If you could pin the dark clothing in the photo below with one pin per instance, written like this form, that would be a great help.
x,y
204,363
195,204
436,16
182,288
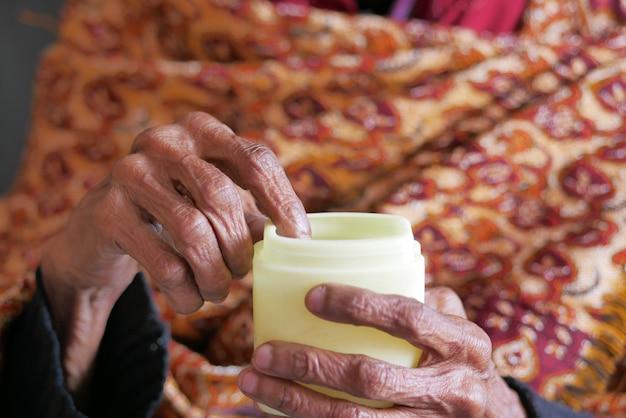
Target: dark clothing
x,y
130,368
538,407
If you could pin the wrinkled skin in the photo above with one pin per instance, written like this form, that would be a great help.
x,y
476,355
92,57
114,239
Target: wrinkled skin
x,y
455,377
178,207
174,207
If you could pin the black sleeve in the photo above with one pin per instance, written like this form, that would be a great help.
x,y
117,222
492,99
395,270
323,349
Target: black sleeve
x,y
130,367
538,407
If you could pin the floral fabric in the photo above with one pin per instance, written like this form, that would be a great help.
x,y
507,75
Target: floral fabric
x,y
506,152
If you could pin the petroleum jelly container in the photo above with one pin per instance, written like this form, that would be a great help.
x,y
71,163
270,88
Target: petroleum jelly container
x,y
373,251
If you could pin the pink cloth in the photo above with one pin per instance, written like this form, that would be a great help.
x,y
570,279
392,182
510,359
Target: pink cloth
x,y
481,15
346,6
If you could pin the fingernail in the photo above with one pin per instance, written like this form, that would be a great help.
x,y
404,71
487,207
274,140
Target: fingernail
x,y
305,227
315,299
248,382
302,223
263,357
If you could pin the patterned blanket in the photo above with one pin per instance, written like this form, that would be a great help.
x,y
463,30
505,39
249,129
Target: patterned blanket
x,y
507,153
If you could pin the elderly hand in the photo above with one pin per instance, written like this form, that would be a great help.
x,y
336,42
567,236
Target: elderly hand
x,y
175,207
456,376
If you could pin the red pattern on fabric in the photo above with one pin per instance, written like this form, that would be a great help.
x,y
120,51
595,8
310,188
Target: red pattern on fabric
x,y
505,152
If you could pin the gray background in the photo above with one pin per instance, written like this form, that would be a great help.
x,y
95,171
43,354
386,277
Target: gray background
x,y
25,30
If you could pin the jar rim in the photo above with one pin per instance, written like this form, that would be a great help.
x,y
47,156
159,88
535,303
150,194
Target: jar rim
x,y
334,233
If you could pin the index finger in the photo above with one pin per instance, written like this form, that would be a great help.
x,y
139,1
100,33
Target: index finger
x,y
400,316
253,167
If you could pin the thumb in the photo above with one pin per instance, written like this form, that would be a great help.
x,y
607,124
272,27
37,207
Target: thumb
x,y
256,224
445,301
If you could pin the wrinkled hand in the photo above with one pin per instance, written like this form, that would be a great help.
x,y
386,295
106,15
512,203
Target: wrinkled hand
x,y
455,378
175,207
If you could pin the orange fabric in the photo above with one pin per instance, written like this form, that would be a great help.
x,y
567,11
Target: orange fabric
x,y
506,153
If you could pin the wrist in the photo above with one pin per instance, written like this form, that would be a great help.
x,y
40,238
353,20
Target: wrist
x,y
79,318
509,402
80,300
78,260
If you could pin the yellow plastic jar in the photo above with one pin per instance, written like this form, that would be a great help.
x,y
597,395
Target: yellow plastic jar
x,y
373,251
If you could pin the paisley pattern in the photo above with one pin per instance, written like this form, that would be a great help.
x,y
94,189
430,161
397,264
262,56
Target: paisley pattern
x,y
507,153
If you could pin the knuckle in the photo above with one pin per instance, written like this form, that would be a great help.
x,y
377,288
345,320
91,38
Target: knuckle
x,y
453,398
306,366
362,307
217,187
191,118
156,138
129,169
145,139
260,158
218,289
133,173
344,410
169,274
193,239
481,346
408,313
474,345
288,399
357,412
206,126
444,293
372,377
190,224
483,342
409,316
445,300
196,118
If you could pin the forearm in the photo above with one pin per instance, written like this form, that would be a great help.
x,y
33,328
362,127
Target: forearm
x,y
79,318
79,310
